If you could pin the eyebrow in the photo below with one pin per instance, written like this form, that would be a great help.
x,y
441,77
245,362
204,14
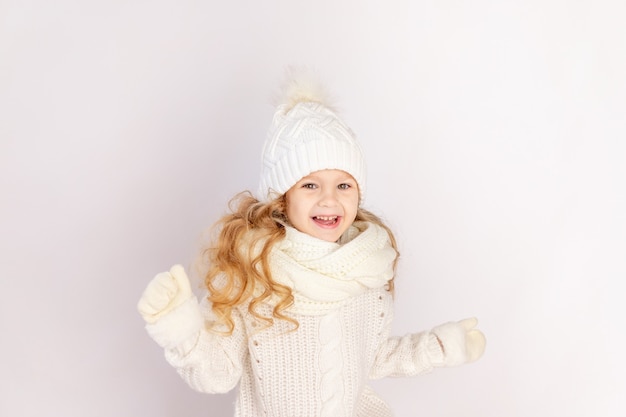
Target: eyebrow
x,y
343,178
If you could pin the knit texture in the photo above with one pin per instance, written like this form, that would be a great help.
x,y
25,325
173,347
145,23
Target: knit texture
x,y
325,274
306,138
323,367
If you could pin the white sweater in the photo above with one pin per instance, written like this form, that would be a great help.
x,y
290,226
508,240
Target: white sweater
x,y
321,369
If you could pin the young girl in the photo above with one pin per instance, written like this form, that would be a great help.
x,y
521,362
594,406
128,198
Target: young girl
x,y
300,285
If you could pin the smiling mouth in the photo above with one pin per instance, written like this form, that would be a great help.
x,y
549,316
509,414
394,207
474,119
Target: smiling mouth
x,y
326,220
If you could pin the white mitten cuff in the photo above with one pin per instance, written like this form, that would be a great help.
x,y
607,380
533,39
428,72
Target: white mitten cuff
x,y
434,350
178,325
452,337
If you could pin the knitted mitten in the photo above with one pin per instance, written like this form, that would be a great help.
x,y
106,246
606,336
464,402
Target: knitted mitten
x,y
461,341
170,308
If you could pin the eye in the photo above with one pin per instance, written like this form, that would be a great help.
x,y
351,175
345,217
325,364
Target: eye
x,y
309,185
344,186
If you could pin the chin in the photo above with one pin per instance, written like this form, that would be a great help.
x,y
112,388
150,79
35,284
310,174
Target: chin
x,y
330,237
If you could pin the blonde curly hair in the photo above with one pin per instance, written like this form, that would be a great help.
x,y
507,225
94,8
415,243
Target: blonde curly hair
x,y
239,268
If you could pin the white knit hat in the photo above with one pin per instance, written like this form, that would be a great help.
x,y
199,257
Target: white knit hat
x,y
306,135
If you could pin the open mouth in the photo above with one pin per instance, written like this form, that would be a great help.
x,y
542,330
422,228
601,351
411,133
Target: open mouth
x,y
326,220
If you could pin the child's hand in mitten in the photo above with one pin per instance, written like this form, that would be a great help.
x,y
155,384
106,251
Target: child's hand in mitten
x,y
460,341
164,293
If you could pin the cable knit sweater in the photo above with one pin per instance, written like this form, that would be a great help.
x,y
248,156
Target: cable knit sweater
x,y
321,369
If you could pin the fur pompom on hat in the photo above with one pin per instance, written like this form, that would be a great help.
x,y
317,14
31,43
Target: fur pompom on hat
x,y
306,135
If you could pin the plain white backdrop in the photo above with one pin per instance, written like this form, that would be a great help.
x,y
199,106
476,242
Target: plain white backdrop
x,y
495,136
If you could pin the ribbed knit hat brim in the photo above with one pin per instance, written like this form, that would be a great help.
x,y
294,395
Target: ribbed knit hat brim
x,y
306,137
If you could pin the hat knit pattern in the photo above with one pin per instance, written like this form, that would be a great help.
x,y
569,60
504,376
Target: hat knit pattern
x,y
306,135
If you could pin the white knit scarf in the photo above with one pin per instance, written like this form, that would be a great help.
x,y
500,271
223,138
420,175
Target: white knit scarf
x,y
323,275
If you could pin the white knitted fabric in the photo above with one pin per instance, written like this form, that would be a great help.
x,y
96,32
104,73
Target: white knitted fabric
x,y
305,138
322,368
325,274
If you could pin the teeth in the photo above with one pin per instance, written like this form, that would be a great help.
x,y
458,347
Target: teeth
x,y
326,218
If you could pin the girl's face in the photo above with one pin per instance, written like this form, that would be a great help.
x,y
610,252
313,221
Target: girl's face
x,y
323,204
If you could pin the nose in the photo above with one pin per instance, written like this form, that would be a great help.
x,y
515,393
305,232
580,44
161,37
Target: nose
x,y
328,198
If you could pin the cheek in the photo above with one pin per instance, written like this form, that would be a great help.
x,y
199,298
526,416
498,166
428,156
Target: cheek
x,y
288,209
351,205
355,198
293,210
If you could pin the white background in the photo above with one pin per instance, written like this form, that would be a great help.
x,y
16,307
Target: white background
x,y
495,136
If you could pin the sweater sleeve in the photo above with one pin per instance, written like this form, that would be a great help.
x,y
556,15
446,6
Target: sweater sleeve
x,y
408,355
400,356
208,361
